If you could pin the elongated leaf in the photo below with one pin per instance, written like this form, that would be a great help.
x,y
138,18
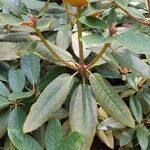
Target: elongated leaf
x,y
16,80
106,137
63,37
19,95
3,90
53,135
136,42
30,65
110,101
83,114
142,136
73,141
19,139
49,101
126,59
136,108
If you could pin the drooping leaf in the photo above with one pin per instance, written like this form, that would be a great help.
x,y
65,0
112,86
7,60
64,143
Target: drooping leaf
x,y
83,114
110,101
53,135
16,80
19,139
30,65
49,101
136,108
142,136
73,141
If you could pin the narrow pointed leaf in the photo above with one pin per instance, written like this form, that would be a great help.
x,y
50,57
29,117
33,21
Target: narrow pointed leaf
x,y
16,80
136,108
30,65
110,101
19,139
83,114
53,135
49,102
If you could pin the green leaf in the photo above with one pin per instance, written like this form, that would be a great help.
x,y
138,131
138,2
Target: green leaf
x,y
63,37
10,19
49,77
49,101
106,137
110,101
136,108
19,139
73,141
142,136
3,90
83,114
30,65
136,42
16,80
53,135
126,59
3,102
19,95
126,137
93,22
3,123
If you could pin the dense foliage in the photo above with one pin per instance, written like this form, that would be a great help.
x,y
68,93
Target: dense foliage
x,y
74,75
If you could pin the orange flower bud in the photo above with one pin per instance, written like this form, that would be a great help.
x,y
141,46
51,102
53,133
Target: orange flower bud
x,y
77,3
